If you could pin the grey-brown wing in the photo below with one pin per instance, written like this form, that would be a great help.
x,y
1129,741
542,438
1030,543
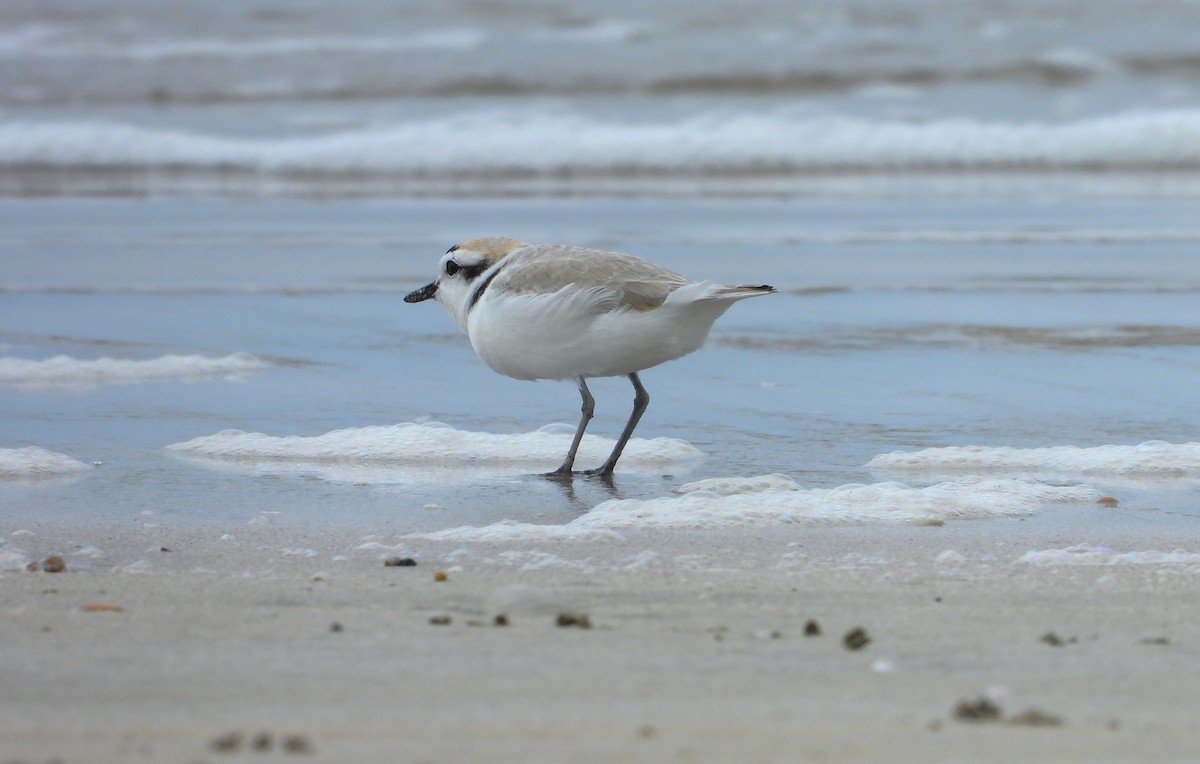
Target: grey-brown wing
x,y
635,284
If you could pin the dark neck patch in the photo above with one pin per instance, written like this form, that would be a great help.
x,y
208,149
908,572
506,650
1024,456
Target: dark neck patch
x,y
483,285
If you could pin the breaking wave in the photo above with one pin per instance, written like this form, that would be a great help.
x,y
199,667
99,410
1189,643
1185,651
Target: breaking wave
x,y
486,143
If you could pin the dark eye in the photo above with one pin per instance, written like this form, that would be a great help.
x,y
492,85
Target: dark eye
x,y
452,267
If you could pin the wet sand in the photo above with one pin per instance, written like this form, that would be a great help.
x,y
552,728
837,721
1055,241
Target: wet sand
x,y
299,643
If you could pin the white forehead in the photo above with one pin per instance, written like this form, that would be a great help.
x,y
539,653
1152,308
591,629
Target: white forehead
x,y
462,256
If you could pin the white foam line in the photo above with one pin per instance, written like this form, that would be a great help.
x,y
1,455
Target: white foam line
x,y
1085,554
426,451
1147,462
776,500
35,463
65,371
35,43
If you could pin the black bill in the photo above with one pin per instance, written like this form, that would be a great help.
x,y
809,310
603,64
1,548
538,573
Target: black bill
x,y
427,292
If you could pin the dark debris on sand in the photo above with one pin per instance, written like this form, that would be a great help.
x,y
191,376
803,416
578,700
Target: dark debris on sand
x,y
981,709
1035,717
580,621
261,742
984,709
52,564
856,639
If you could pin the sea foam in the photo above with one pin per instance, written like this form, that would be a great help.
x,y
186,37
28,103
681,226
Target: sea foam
x,y
775,500
1086,554
65,371
425,451
1149,462
34,463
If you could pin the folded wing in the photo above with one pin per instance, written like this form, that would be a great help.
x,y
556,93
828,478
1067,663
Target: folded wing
x,y
629,282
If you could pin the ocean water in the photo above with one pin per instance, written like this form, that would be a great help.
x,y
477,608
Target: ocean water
x,y
982,220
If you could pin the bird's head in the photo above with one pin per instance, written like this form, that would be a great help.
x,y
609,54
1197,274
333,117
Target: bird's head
x,y
459,272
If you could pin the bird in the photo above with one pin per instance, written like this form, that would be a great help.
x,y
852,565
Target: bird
x,y
562,312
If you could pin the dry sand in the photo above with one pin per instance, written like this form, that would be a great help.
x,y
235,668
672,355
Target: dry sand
x,y
296,644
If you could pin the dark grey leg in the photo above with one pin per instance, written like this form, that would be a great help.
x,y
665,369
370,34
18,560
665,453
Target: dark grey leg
x,y
588,408
641,399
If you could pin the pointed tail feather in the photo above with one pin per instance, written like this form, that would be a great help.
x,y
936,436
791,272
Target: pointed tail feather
x,y
741,291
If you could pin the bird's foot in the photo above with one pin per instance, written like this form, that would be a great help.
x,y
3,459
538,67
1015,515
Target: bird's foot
x,y
565,475
605,472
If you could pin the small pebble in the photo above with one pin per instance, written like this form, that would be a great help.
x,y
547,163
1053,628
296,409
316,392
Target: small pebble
x,y
565,620
1107,501
1155,641
163,549
399,562
439,576
500,620
100,607
440,620
1054,640
856,639
812,628
262,742
336,627
54,564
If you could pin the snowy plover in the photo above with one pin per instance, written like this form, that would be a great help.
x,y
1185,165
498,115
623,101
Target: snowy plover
x,y
559,312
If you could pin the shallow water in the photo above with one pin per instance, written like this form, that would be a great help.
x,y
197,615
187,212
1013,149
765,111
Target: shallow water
x,y
900,325
981,219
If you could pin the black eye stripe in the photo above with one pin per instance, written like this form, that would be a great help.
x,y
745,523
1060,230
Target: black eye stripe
x,y
471,272
452,267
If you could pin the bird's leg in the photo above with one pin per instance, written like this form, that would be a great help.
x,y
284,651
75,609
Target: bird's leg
x,y
641,399
588,408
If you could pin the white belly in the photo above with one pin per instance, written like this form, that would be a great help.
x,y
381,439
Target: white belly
x,y
563,336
